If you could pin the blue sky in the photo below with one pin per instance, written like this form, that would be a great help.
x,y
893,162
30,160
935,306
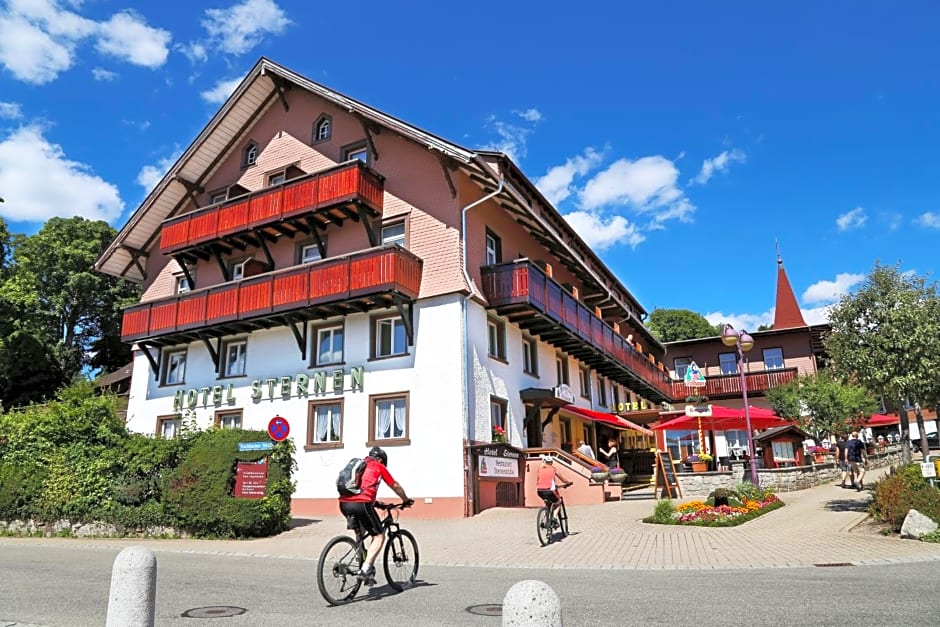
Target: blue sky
x,y
682,140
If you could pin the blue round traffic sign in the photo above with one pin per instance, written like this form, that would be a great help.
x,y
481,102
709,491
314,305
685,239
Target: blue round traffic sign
x,y
278,428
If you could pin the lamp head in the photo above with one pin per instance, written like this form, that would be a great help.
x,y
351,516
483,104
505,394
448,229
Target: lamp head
x,y
747,342
729,336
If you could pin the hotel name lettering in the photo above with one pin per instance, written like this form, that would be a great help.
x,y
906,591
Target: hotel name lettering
x,y
271,388
634,406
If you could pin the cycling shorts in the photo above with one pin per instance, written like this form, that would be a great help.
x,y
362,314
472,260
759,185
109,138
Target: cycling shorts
x,y
360,515
549,496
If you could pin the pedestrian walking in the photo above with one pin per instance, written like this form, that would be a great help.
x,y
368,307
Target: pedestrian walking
x,y
857,456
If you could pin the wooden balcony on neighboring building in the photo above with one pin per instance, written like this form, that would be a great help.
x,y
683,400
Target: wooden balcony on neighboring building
x,y
370,279
522,293
729,385
300,205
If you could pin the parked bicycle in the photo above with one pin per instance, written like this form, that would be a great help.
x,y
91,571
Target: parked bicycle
x,y
343,556
551,519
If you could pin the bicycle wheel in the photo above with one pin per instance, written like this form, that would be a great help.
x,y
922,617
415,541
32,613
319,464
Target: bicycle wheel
x,y
401,560
336,570
563,519
543,526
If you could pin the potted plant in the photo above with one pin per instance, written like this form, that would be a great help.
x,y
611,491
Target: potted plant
x,y
617,475
720,496
699,461
499,434
599,475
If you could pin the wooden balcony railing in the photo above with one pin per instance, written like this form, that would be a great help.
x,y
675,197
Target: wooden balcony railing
x,y
358,277
319,191
523,286
730,384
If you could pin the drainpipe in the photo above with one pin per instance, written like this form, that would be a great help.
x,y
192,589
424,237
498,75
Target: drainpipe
x,y
465,314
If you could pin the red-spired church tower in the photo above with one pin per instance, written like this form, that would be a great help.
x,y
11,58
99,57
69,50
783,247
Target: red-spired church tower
x,y
787,314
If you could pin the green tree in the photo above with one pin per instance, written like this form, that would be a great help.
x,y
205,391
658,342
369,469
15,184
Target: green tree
x,y
886,335
823,404
69,308
671,325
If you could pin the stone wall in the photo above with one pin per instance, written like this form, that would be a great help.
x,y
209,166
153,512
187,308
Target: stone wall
x,y
67,528
699,485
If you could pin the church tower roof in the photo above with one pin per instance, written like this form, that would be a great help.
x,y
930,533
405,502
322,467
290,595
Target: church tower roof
x,y
787,314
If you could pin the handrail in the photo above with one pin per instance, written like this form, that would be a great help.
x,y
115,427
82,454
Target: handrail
x,y
577,464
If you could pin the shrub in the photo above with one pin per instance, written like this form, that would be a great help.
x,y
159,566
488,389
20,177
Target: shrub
x,y
664,513
903,489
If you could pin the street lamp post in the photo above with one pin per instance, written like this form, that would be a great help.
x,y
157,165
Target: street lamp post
x,y
742,342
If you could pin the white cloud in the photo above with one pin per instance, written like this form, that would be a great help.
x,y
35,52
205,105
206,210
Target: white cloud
x,y
10,111
530,115
512,139
39,40
600,234
816,315
742,321
556,184
64,188
127,36
831,291
928,219
241,27
222,90
103,75
194,51
150,175
853,219
719,164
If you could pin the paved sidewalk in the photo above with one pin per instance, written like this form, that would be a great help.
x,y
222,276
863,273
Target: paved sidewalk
x,y
814,528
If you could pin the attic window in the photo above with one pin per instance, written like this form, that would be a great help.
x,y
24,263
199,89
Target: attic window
x,y
322,129
251,155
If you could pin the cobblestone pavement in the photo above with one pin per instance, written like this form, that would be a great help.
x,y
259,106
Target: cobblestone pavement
x,y
815,527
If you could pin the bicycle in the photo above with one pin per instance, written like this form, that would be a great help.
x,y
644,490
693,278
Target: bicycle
x,y
342,557
547,522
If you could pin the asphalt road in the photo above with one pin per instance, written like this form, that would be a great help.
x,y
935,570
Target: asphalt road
x,y
67,586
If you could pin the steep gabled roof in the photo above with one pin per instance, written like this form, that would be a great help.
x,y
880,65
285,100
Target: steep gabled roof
x,y
267,85
787,312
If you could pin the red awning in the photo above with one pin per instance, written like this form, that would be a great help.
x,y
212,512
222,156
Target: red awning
x,y
606,418
882,420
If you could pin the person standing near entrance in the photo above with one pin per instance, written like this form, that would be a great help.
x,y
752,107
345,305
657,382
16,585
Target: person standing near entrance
x,y
612,454
858,458
585,449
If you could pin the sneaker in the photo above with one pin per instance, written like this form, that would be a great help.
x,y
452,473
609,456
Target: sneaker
x,y
367,576
861,487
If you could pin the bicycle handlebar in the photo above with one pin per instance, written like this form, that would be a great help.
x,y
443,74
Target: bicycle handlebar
x,y
391,506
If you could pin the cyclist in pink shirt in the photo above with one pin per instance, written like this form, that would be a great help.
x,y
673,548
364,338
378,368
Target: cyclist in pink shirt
x,y
545,482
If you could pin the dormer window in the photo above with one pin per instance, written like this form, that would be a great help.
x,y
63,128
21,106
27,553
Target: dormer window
x,y
250,156
322,129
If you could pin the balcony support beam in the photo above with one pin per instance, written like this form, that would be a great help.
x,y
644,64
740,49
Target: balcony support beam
x,y
266,250
548,418
372,231
213,350
281,87
369,127
406,311
300,334
154,363
321,246
226,271
185,268
136,255
192,189
448,167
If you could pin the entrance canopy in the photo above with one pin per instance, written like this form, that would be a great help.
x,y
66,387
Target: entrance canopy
x,y
725,419
608,419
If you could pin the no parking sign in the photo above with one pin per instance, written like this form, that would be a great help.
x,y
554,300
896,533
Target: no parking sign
x,y
278,428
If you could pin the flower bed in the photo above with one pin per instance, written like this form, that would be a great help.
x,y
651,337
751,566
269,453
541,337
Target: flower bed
x,y
744,503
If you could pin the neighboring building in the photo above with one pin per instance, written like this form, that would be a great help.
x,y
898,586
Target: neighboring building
x,y
311,257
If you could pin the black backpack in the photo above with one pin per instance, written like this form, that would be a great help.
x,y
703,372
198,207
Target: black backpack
x,y
348,483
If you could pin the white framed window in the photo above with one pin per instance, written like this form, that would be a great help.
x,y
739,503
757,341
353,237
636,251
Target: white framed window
x,y
601,391
389,418
394,234
217,197
530,356
493,248
238,270
358,152
251,155
228,419
309,253
234,355
174,367
277,178
389,336
325,423
584,378
168,427
681,364
496,338
614,396
499,408
322,129
773,358
728,363
561,370
329,345
182,285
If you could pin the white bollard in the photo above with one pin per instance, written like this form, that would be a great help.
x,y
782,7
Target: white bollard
x,y
133,595
531,603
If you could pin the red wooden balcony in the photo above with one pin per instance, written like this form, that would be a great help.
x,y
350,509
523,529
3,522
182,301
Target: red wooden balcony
x,y
365,280
522,293
729,385
328,196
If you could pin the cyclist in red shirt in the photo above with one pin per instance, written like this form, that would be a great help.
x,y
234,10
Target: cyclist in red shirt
x,y
360,511
545,482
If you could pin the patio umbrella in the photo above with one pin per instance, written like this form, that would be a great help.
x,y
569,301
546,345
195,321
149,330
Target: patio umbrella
x,y
882,420
724,419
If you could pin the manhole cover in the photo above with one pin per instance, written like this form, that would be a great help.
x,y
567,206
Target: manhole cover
x,y
489,609
214,611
